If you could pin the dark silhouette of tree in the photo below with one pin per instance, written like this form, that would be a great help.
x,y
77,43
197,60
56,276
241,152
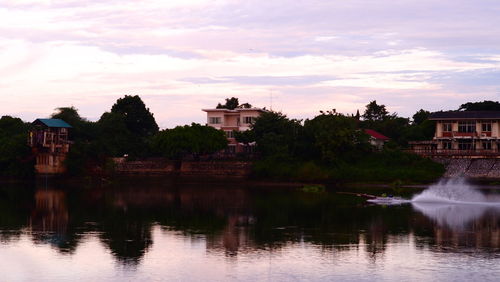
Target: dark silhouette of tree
x,y
82,128
231,104
194,140
138,118
276,134
333,136
421,116
245,106
14,152
375,112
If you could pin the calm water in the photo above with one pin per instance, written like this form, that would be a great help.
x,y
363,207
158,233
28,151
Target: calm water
x,y
213,232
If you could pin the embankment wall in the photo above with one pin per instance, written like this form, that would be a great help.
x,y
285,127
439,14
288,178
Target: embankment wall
x,y
486,168
238,169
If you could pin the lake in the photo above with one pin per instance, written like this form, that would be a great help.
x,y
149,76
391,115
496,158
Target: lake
x,y
164,231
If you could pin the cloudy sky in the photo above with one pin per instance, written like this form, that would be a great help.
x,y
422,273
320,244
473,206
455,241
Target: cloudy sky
x,y
301,56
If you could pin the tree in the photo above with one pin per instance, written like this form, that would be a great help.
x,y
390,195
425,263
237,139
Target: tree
x,y
194,140
375,112
115,139
138,119
15,155
82,129
480,106
245,106
277,135
333,136
231,104
421,116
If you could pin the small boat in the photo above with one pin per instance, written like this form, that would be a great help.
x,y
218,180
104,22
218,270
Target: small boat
x,y
388,200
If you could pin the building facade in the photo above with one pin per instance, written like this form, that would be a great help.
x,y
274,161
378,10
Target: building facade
x,y
229,121
376,139
49,141
463,133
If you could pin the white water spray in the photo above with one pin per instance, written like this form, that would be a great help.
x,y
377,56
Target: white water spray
x,y
455,190
454,203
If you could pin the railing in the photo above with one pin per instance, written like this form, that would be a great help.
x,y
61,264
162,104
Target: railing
x,y
449,153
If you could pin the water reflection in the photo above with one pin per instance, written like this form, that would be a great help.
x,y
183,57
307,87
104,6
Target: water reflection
x,y
234,220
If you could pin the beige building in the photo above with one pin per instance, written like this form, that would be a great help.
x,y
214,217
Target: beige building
x,y
466,133
239,119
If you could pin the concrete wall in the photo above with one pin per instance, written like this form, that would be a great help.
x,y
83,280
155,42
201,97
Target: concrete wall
x,y
183,168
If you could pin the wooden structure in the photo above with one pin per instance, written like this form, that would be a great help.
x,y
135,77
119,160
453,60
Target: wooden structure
x,y
462,134
49,141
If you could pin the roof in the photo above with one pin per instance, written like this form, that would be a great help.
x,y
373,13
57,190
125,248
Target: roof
x,y
53,122
237,110
376,135
465,115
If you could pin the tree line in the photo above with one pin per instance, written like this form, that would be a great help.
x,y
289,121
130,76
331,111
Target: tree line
x,y
130,129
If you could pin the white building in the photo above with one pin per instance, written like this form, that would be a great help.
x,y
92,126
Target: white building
x,y
239,119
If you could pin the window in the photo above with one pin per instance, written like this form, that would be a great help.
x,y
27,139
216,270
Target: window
x,y
486,145
229,133
214,120
248,119
447,145
465,144
486,127
467,126
447,127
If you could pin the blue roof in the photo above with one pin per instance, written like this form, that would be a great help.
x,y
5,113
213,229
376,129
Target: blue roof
x,y
54,122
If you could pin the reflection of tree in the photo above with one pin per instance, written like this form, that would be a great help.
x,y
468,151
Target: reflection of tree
x,y
127,235
233,220
15,205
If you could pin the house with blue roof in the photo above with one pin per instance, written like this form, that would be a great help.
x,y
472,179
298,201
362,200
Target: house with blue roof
x,y
50,143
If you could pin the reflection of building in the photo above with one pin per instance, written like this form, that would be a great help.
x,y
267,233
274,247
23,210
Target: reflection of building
x,y
51,212
239,119
463,133
50,144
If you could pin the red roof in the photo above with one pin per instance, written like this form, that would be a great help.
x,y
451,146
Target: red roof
x,y
376,134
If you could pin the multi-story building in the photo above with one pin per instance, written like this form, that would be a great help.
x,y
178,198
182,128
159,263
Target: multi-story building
x,y
239,119
463,133
49,141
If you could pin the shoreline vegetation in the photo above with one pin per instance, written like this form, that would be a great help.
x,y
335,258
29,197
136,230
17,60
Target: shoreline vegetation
x,y
330,148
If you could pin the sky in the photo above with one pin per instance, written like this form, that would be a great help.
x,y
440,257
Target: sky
x,y
298,57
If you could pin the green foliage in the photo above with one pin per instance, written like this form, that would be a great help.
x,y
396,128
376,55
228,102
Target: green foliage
x,y
138,119
233,103
194,139
276,134
115,139
333,147
331,136
421,116
15,155
245,137
375,112
480,106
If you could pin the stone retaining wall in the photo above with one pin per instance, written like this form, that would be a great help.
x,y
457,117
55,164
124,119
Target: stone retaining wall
x,y
183,168
472,168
